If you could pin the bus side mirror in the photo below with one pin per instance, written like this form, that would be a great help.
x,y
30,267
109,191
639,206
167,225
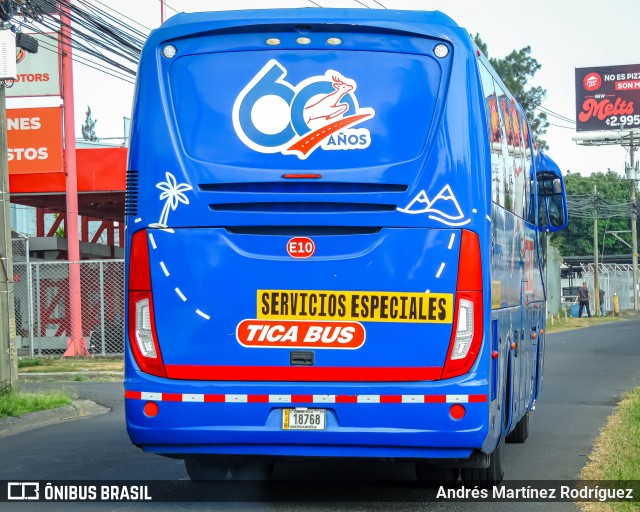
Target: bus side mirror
x,y
552,202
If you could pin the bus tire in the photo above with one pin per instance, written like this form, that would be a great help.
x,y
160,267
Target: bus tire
x,y
204,469
431,476
493,474
520,433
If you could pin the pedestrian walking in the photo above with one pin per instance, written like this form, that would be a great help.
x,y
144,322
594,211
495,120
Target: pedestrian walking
x,y
601,299
583,299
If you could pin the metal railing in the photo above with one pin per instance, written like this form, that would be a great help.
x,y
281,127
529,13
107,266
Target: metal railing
x,y
41,298
612,279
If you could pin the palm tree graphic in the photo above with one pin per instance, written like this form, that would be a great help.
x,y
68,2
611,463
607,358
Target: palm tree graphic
x,y
173,194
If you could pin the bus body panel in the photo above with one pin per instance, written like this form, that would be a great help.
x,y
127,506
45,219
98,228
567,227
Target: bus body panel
x,y
219,184
199,300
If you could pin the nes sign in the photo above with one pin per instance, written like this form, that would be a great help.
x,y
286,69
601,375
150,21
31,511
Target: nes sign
x,y
608,98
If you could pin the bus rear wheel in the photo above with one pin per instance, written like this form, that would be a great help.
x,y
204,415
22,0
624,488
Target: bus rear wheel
x,y
202,468
520,432
493,474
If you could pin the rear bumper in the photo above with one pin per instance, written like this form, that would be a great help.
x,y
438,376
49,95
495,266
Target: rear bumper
x,y
396,420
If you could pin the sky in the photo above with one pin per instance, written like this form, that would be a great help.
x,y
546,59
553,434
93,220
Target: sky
x,y
563,35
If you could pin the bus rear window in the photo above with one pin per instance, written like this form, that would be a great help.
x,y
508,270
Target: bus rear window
x,y
312,109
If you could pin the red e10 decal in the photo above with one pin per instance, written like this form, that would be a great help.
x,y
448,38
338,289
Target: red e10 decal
x,y
301,247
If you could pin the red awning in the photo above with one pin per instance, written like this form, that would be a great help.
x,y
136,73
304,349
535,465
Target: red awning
x,y
101,185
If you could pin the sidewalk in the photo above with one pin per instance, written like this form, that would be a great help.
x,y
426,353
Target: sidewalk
x,y
77,410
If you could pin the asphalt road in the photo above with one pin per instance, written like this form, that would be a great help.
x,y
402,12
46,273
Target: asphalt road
x,y
586,371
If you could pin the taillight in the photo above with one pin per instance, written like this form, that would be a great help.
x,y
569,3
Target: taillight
x,y
144,335
466,335
464,330
142,328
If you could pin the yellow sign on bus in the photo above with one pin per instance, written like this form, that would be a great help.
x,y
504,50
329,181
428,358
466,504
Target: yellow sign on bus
x,y
355,306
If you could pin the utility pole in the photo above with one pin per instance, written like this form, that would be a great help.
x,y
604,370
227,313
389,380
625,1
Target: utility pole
x,y
634,228
76,344
8,352
596,286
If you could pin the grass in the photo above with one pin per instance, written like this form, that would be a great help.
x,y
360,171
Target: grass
x,y
71,364
29,363
616,452
14,403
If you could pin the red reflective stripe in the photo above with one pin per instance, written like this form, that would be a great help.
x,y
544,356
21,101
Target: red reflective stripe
x,y
346,399
435,399
214,398
302,398
257,398
390,399
178,397
301,374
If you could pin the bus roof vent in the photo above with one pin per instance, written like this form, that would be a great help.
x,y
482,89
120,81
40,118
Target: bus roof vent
x,y
131,194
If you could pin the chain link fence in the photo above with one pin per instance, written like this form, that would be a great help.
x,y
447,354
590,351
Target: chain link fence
x,y
42,309
612,279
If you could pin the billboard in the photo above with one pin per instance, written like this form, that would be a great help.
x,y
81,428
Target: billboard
x,y
38,74
34,137
608,98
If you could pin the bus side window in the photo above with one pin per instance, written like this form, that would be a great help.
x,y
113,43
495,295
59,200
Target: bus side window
x,y
530,213
494,134
508,173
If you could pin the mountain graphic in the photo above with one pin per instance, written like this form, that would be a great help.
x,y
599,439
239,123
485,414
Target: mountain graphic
x,y
443,204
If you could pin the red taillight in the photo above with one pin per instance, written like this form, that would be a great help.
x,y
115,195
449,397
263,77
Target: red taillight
x,y
142,326
466,335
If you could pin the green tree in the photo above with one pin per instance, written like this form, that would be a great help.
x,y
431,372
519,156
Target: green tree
x,y
88,128
516,70
614,209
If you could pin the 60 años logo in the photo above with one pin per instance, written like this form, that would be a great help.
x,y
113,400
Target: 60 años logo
x,y
271,115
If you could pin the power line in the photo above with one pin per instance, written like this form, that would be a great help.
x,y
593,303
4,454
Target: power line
x,y
556,115
167,5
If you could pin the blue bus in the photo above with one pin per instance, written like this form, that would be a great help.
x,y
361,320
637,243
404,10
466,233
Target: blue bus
x,y
335,245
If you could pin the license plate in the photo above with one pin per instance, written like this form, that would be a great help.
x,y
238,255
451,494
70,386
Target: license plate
x,y
303,419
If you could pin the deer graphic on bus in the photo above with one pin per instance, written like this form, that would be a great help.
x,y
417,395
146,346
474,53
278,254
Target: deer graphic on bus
x,y
329,106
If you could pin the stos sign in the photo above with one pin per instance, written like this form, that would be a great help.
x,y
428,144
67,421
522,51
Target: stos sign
x,y
608,98
270,115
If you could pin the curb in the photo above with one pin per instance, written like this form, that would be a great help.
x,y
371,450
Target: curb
x,y
66,376
77,410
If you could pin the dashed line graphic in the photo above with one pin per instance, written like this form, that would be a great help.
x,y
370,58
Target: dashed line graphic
x,y
164,268
153,241
440,270
180,294
203,315
451,240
